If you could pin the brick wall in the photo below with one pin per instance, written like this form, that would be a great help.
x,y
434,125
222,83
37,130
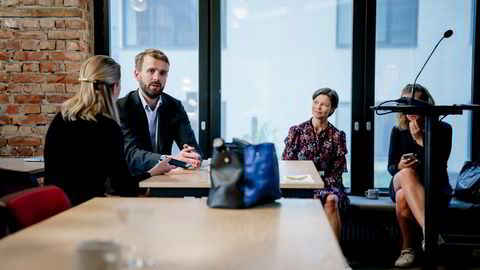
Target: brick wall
x,y
42,46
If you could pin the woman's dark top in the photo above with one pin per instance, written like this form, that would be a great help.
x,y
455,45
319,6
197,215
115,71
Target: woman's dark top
x,y
327,150
86,159
402,142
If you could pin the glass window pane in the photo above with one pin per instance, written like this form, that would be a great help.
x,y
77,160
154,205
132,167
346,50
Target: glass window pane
x,y
447,75
277,53
170,26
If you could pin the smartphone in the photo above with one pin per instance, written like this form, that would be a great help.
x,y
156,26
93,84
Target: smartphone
x,y
409,156
178,163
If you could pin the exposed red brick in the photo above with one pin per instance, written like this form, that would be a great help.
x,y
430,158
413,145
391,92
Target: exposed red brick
x,y
30,67
4,55
4,77
24,141
47,23
72,3
46,2
13,67
41,130
4,98
21,151
11,2
12,45
28,77
5,119
38,151
31,23
9,130
23,56
60,24
4,34
72,46
66,56
48,67
25,130
3,141
30,45
12,109
31,108
14,88
63,35
53,88
32,88
29,99
62,78
50,108
47,45
72,66
31,35
60,66
60,45
58,98
74,24
33,119
72,88
11,23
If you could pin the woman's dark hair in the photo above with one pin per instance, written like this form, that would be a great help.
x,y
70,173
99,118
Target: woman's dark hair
x,y
331,94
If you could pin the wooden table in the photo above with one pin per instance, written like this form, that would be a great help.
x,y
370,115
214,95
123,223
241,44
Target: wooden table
x,y
18,164
196,182
182,233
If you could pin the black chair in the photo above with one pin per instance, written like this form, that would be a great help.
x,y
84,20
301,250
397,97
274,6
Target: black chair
x,y
13,181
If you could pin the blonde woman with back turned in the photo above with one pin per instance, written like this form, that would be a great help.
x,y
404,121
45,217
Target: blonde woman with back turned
x,y
84,152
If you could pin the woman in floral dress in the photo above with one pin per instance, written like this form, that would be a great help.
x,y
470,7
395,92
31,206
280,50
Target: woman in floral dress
x,y
318,140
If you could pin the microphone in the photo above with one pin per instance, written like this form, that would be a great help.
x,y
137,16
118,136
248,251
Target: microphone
x,y
412,100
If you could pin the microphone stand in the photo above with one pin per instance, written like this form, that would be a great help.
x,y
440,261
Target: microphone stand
x,y
431,113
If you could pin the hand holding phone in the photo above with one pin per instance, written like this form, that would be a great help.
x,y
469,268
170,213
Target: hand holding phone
x,y
409,156
176,162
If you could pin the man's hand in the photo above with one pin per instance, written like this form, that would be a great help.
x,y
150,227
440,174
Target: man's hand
x,y
188,154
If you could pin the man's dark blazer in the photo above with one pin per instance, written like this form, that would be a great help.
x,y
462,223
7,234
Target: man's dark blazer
x,y
173,126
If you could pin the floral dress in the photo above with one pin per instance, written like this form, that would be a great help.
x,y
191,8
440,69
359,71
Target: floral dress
x,y
327,150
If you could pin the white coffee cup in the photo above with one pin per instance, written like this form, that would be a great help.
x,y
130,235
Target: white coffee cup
x,y
97,255
371,193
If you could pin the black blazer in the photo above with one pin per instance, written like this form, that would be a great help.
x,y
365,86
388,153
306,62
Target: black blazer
x,y
173,126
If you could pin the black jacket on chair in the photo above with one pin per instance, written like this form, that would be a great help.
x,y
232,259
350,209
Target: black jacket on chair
x,y
173,126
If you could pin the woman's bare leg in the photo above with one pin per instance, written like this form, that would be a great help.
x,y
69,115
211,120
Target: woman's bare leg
x,y
414,193
333,214
405,218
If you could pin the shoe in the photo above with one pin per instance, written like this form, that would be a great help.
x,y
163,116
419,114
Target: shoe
x,y
347,264
406,258
439,242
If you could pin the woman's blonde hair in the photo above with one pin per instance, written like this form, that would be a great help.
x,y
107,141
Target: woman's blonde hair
x,y
98,76
421,93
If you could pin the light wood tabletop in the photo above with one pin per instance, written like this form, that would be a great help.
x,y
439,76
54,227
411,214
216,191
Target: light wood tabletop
x,y
193,182
179,233
19,164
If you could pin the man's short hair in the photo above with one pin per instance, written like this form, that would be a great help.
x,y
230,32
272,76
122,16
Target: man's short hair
x,y
157,54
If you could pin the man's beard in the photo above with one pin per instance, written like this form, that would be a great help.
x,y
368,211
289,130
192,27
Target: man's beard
x,y
153,94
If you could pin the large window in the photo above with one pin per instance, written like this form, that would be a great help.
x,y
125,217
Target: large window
x,y
396,23
275,53
278,53
161,23
447,75
171,26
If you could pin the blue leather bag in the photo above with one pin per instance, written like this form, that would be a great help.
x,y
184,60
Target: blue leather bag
x,y
243,175
262,183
